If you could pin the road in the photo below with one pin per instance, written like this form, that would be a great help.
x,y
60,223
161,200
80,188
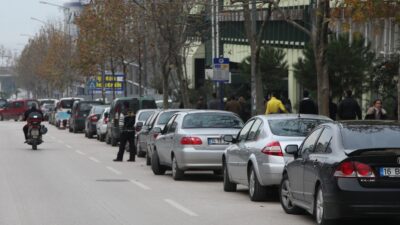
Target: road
x,y
72,180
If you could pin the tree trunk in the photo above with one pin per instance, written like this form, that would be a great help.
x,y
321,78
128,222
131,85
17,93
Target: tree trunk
x,y
165,85
113,77
398,90
125,70
182,81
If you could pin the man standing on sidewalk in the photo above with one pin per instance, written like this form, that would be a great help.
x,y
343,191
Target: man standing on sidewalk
x,y
127,128
349,109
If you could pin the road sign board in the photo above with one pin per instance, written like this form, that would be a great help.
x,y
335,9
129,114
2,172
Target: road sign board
x,y
221,69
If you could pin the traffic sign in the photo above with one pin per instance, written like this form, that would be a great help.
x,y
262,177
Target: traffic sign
x,y
92,84
221,70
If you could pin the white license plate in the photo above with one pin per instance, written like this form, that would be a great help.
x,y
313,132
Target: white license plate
x,y
216,141
35,132
389,171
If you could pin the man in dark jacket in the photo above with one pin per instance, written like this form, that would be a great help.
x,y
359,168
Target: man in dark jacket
x,y
127,128
348,108
33,109
214,103
307,105
233,105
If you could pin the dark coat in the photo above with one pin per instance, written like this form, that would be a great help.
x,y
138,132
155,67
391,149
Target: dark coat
x,y
349,109
308,106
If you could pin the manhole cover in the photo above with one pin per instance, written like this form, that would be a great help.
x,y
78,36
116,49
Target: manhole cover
x,y
112,180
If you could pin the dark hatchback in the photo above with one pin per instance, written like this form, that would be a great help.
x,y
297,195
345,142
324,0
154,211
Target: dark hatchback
x,y
345,170
80,110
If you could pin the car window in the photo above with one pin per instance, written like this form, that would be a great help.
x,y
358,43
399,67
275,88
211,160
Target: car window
x,y
211,120
309,143
172,128
255,130
323,144
149,104
245,130
297,127
169,124
17,104
165,116
145,115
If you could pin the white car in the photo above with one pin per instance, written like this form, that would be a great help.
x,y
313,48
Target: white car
x,y
101,126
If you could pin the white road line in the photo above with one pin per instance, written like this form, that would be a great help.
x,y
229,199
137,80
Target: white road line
x,y
94,159
68,146
180,207
79,152
141,185
114,170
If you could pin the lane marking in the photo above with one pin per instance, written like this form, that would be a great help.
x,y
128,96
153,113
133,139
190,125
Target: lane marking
x,y
114,170
180,207
68,146
94,159
79,152
141,185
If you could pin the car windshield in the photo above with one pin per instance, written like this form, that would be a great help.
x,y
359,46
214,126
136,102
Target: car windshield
x,y
31,103
3,103
371,137
48,106
165,116
211,120
145,115
149,104
67,104
47,102
99,110
85,107
298,127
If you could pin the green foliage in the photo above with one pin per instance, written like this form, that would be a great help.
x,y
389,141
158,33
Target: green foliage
x,y
349,66
273,67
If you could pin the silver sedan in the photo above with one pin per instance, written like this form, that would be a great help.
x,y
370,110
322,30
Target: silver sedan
x,y
193,140
256,157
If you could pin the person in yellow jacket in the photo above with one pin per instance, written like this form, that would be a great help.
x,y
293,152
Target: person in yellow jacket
x,y
274,105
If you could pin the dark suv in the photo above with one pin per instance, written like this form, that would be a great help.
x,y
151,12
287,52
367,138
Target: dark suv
x,y
80,110
135,103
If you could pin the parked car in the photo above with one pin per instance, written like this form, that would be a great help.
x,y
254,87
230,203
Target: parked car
x,y
192,140
15,109
46,109
62,119
64,105
47,101
345,170
101,125
150,132
80,110
135,103
255,157
92,119
141,117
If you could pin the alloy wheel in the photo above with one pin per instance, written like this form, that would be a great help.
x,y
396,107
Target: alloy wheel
x,y
252,183
286,195
319,206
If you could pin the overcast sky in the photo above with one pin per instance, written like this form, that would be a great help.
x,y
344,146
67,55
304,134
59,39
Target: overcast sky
x,y
15,20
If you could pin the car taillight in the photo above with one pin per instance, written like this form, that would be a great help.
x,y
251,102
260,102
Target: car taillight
x,y
93,118
273,148
353,169
106,120
191,141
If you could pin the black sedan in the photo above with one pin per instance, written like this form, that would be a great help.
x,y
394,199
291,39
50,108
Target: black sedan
x,y
345,170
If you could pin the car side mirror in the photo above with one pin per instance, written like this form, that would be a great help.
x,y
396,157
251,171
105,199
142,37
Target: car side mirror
x,y
139,126
157,130
292,150
229,138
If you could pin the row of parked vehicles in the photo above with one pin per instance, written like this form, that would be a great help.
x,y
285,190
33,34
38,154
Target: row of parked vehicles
x,y
329,169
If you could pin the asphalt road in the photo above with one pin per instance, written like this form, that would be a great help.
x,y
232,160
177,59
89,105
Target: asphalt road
x,y
72,180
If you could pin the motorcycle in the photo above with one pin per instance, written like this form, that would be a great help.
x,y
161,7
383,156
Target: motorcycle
x,y
35,130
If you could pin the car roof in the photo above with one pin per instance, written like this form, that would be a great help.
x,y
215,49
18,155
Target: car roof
x,y
293,116
366,123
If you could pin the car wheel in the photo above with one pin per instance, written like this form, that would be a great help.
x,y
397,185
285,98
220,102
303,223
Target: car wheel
x,y
228,185
114,141
155,165
285,196
319,209
148,159
102,137
257,192
70,129
177,174
90,135
108,139
139,152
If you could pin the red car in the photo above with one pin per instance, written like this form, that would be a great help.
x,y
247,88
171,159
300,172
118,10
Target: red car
x,y
15,109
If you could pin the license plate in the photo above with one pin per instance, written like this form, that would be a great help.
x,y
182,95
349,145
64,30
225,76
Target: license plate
x,y
35,132
389,171
216,141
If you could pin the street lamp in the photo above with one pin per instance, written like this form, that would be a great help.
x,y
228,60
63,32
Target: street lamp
x,y
39,20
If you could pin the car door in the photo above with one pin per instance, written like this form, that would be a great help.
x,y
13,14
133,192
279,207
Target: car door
x,y
296,168
249,149
314,162
164,142
234,153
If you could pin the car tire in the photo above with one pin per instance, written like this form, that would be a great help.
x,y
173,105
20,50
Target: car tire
x,y
90,135
157,168
102,137
70,129
257,192
228,185
177,174
114,142
148,159
108,139
139,152
285,196
319,208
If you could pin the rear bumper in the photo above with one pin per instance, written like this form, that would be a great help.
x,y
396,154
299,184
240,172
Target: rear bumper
x,y
191,159
271,173
79,124
348,199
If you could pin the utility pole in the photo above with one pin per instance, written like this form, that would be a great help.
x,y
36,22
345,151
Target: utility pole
x,y
253,33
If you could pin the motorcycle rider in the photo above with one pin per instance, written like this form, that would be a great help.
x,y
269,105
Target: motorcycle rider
x,y
26,115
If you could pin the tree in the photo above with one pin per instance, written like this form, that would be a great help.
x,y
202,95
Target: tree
x,y
273,68
349,65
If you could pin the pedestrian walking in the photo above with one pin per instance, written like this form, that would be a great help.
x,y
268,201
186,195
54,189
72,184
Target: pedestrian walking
x,y
214,103
307,105
274,105
244,109
200,103
233,105
376,112
127,130
332,109
348,108
287,103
